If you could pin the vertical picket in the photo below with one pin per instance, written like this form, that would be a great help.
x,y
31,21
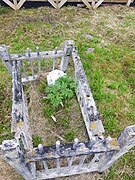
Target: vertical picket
x,y
67,48
31,66
38,56
24,70
58,159
81,162
54,60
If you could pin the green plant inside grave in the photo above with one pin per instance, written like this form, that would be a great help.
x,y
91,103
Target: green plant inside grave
x,y
36,140
57,100
64,88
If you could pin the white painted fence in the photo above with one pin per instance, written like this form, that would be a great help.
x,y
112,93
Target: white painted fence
x,y
97,154
17,4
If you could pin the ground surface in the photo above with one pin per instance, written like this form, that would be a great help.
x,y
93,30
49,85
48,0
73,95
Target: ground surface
x,y
69,122
110,69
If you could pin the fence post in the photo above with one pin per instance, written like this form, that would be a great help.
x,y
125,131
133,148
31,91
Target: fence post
x,y
126,141
11,153
58,159
75,143
6,58
54,60
67,48
38,55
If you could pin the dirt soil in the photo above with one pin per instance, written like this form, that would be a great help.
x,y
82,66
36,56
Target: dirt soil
x,y
43,126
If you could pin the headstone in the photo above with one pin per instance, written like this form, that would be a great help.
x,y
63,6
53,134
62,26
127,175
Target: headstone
x,y
53,76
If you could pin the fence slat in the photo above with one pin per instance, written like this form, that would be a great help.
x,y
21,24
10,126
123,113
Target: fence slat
x,y
19,5
54,60
86,3
61,3
46,167
70,161
53,3
24,70
38,56
81,162
58,159
58,165
15,2
10,4
95,5
96,156
31,66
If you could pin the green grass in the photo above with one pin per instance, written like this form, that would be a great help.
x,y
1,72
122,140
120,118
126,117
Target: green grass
x,y
4,10
36,140
110,69
5,104
69,135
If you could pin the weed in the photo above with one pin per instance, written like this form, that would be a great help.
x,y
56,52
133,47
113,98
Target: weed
x,y
42,86
48,111
36,140
64,88
5,133
64,122
111,175
69,135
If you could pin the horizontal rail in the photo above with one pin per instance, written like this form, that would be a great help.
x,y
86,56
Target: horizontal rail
x,y
27,60
68,150
88,107
35,55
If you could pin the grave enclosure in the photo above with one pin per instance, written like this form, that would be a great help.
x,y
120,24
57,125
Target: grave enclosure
x,y
17,4
96,154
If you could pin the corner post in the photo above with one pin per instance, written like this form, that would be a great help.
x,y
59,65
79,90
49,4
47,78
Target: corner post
x,y
126,141
6,58
11,152
67,48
